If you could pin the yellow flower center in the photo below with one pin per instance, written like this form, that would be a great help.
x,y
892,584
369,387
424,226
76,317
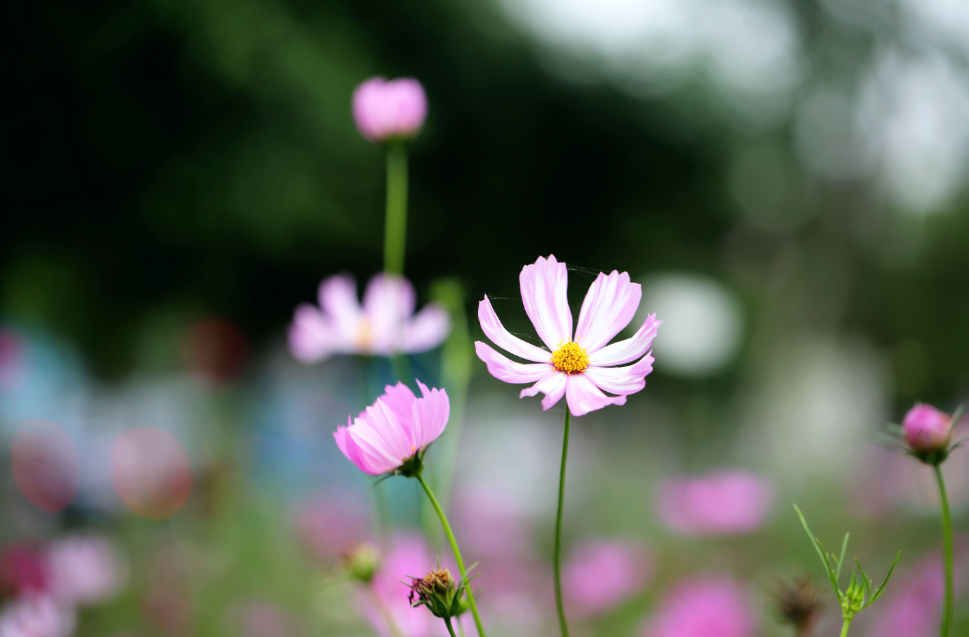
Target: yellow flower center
x,y
570,357
364,339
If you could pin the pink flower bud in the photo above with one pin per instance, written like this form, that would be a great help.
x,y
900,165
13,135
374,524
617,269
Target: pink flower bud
x,y
386,109
927,429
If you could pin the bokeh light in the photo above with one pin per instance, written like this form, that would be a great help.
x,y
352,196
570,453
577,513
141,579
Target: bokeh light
x,y
150,472
45,465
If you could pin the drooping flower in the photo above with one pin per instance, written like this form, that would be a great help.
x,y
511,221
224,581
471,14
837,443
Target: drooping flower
x,y
383,326
927,430
709,607
85,569
394,433
36,616
580,367
720,503
603,574
386,109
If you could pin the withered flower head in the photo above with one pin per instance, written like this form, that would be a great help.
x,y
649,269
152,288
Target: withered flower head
x,y
439,592
798,603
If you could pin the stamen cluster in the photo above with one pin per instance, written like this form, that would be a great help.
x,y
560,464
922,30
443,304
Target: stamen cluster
x,y
570,357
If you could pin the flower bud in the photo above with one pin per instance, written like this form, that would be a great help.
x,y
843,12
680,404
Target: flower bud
x,y
362,562
386,110
437,591
928,431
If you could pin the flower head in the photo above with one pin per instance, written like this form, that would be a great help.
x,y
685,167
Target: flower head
x,y
927,430
711,607
383,326
439,593
393,433
580,366
603,574
720,503
386,109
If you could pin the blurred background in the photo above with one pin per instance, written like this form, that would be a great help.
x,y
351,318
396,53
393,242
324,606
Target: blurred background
x,y
785,178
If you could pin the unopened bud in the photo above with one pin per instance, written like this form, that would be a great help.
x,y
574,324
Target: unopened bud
x,y
928,432
362,562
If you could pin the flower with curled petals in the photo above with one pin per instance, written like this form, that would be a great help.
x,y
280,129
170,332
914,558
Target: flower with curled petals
x,y
383,326
579,367
393,434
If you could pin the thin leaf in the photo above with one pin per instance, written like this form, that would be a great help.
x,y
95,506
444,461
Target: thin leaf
x,y
844,547
865,579
814,541
381,479
881,588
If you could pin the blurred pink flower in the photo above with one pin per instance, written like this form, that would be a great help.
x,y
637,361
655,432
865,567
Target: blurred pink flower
x,y
383,326
913,607
602,575
708,607
23,570
927,429
385,109
407,555
395,429
36,616
578,368
720,503
85,569
332,524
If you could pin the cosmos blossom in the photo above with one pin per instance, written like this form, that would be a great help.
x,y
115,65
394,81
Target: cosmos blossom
x,y
582,366
395,430
384,325
601,575
387,109
719,503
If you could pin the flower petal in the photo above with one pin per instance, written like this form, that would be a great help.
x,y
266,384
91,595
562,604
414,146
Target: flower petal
x,y
350,449
583,396
544,287
552,385
427,329
312,337
621,380
609,305
629,349
430,413
504,339
508,370
338,300
400,399
381,431
387,304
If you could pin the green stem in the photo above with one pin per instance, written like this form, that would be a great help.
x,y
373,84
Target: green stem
x,y
947,541
556,563
450,629
456,551
844,628
384,612
395,226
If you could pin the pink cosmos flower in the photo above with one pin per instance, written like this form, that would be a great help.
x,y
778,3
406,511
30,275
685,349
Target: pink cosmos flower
x,y
709,607
578,368
85,569
602,575
396,429
720,503
36,616
927,429
386,109
385,325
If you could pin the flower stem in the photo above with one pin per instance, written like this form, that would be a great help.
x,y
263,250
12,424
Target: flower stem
x,y
947,541
395,226
556,562
456,551
450,628
384,612
844,628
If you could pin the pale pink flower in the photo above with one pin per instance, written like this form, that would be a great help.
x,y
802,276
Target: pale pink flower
x,y
386,109
709,607
579,368
383,326
36,616
927,429
603,574
395,429
85,569
720,503
407,555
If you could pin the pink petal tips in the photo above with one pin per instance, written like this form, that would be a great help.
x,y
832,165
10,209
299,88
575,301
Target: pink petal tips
x,y
392,434
385,109
579,367
383,326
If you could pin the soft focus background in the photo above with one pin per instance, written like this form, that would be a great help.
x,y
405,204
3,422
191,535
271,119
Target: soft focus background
x,y
786,179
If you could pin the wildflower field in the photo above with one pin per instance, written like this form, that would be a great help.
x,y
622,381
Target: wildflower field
x,y
621,318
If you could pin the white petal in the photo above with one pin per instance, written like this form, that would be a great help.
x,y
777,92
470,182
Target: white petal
x,y
544,287
609,305
629,349
504,339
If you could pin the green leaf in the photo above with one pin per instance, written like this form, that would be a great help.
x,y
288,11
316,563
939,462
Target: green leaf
x,y
816,543
881,588
844,547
